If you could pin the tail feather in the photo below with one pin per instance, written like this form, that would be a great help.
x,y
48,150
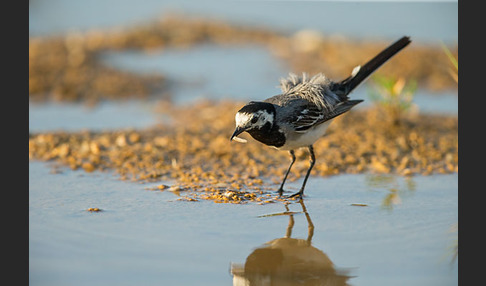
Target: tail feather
x,y
359,74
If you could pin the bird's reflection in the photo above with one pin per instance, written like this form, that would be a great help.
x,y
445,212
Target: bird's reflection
x,y
289,261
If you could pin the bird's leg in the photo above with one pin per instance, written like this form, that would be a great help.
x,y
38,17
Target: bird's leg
x,y
310,228
312,162
280,190
291,223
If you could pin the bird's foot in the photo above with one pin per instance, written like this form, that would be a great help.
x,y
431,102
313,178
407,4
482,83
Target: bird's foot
x,y
280,192
299,195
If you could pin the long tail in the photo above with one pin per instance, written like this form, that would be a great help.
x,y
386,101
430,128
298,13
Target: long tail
x,y
359,74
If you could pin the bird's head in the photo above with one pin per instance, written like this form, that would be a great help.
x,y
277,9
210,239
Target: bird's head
x,y
254,115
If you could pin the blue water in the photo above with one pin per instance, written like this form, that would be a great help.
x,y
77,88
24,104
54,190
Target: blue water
x,y
104,116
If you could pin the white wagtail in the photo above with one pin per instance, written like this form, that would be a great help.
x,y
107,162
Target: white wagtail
x,y
301,114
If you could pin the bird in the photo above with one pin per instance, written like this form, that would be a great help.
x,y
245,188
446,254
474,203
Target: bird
x,y
300,115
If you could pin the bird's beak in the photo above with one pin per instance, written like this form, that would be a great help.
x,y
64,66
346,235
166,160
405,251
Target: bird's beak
x,y
237,132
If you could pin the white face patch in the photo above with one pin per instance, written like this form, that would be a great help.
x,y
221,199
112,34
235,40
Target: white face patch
x,y
253,120
242,119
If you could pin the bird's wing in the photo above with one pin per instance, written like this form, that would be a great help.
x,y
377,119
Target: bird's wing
x,y
305,117
302,117
299,114
339,109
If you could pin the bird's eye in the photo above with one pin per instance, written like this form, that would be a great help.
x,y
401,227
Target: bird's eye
x,y
254,120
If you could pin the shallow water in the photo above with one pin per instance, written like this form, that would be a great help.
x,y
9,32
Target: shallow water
x,y
150,238
56,116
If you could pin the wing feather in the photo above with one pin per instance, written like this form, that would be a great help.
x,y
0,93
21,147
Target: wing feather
x,y
309,116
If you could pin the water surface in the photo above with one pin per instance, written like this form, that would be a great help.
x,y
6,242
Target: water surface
x,y
104,116
150,238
